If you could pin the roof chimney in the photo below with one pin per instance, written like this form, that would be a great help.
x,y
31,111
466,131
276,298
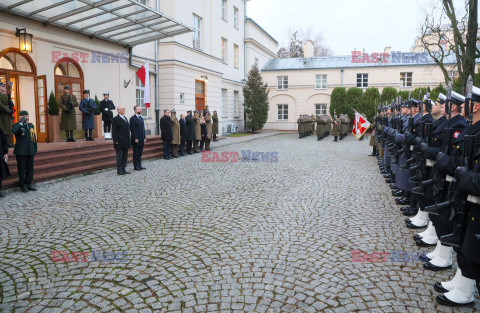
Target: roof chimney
x,y
308,49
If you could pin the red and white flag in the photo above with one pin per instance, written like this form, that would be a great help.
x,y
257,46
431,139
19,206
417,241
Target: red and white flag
x,y
144,75
360,125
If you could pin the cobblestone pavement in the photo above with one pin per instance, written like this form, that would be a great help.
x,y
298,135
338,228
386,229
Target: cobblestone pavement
x,y
210,237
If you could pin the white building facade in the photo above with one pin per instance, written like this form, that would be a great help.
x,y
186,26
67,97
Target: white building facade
x,y
304,85
196,52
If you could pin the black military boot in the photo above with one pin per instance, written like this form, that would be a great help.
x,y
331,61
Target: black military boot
x,y
90,134
336,138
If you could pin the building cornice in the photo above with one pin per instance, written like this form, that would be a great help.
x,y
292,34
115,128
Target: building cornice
x,y
262,47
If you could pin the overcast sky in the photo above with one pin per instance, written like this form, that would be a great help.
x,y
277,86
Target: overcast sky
x,y
345,24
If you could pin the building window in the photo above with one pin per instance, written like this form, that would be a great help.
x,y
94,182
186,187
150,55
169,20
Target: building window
x,y
182,97
140,96
224,10
236,15
197,31
236,98
224,50
406,79
235,56
282,110
320,109
321,81
282,82
224,102
362,80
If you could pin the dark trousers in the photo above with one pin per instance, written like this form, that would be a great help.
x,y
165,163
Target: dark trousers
x,y
137,156
195,145
207,144
189,146
25,169
88,133
69,134
107,127
182,147
122,156
215,137
202,143
166,149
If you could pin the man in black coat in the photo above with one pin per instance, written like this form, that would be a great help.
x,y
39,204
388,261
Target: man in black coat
x,y
137,129
121,140
190,131
107,107
25,150
183,134
4,173
167,136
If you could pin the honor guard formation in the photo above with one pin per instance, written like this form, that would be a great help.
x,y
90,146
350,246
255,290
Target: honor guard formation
x,y
338,127
428,152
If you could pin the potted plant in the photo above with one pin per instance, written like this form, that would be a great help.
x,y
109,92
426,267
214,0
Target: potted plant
x,y
98,131
53,119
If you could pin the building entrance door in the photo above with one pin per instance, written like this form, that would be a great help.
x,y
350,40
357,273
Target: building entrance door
x,y
199,95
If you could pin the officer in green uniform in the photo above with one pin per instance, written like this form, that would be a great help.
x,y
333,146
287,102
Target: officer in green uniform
x,y
5,112
335,127
25,150
68,122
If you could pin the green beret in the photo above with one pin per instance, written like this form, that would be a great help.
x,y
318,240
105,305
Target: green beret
x,y
23,113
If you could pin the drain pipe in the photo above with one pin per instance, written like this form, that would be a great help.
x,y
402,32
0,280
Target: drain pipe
x,y
157,104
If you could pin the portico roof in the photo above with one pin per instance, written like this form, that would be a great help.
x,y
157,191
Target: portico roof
x,y
126,22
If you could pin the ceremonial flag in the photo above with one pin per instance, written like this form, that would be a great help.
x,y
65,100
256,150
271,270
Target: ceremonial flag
x,y
360,125
144,75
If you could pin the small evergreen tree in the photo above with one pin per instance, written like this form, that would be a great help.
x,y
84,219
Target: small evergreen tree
x,y
388,95
53,108
97,110
403,94
370,101
416,93
436,91
353,99
255,100
337,101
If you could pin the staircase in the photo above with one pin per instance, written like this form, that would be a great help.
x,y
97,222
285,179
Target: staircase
x,y
62,159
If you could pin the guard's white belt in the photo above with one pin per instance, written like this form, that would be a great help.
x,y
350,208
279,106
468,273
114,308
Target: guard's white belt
x,y
430,163
473,199
449,178
411,148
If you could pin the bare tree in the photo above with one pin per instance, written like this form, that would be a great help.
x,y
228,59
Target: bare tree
x,y
294,45
446,31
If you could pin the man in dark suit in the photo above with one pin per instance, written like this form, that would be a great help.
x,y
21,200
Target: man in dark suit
x,y
190,131
167,135
137,129
121,139
4,173
183,134
25,149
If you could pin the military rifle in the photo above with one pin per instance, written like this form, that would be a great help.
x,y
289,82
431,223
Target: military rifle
x,y
459,203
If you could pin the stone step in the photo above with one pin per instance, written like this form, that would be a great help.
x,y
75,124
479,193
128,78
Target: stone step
x,y
57,160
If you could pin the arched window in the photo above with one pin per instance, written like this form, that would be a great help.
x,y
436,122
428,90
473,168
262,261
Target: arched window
x,y
16,62
68,67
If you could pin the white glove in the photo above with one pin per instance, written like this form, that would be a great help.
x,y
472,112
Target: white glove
x,y
106,110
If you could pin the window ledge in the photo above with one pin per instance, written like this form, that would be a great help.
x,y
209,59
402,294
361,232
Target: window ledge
x,y
282,120
321,88
223,116
282,89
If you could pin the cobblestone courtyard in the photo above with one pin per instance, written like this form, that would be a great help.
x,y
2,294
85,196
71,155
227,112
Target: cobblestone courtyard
x,y
211,237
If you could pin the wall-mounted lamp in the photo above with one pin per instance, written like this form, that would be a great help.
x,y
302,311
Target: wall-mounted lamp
x,y
25,40
205,78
